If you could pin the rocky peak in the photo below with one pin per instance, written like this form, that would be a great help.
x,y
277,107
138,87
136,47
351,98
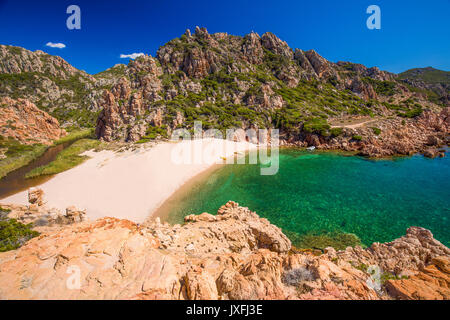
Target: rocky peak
x,y
145,63
252,49
430,79
322,67
51,83
122,89
232,70
363,71
15,60
305,64
276,45
201,32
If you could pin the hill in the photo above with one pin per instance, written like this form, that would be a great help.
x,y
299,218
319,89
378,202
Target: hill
x,y
431,79
225,81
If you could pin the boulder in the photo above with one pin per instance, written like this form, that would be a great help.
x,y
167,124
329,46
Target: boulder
x,y
36,197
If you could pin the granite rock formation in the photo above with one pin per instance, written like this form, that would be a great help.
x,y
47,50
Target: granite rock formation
x,y
23,121
231,255
226,81
260,82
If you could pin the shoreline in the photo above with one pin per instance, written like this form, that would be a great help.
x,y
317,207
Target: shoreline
x,y
163,210
110,182
160,205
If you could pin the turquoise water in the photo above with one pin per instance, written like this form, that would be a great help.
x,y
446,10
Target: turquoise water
x,y
321,192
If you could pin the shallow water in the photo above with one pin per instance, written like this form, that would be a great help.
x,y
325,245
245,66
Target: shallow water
x,y
15,181
323,192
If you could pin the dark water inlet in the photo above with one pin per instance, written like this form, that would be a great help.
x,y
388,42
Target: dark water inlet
x,y
15,181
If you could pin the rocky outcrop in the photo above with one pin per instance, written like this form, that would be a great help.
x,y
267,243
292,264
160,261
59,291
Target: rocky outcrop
x,y
200,72
22,120
429,79
231,255
52,84
322,67
36,196
430,283
40,216
235,229
411,252
427,134
15,60
125,115
226,80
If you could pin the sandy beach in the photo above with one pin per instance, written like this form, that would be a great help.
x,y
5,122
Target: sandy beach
x,y
133,184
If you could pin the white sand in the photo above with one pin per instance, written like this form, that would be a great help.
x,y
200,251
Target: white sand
x,y
132,184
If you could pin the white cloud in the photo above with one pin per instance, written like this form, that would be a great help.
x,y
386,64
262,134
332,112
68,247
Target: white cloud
x,y
56,45
131,56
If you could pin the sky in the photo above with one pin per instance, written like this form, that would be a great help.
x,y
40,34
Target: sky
x,y
413,33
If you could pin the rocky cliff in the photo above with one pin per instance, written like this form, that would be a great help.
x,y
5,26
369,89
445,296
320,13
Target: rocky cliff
x,y
23,121
226,81
427,133
257,82
51,83
234,254
436,83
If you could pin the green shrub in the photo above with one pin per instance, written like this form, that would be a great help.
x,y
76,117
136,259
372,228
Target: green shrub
x,y
316,125
76,134
357,137
153,133
376,131
13,234
385,276
411,113
335,132
386,88
363,267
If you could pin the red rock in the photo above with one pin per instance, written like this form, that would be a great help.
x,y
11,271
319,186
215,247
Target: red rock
x,y
431,283
22,120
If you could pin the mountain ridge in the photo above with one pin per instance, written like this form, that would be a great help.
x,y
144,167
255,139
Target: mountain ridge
x,y
223,80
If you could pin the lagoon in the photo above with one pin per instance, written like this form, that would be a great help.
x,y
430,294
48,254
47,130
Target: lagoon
x,y
318,193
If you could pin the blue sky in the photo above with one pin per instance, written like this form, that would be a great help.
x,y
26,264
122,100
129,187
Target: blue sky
x,y
413,33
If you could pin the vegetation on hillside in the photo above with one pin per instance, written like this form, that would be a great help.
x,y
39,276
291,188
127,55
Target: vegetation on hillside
x,y
428,75
13,234
74,135
54,86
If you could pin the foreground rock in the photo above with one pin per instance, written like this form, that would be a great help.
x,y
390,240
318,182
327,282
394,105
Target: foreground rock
x,y
432,282
232,255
